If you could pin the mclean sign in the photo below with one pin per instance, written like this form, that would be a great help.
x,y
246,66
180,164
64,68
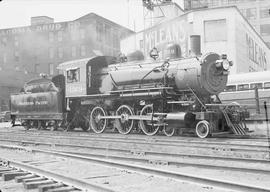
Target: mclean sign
x,y
256,53
174,31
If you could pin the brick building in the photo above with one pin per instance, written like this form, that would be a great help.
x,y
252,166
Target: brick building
x,y
25,52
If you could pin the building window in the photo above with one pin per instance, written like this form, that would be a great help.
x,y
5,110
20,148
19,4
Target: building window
x,y
4,41
264,12
16,56
16,41
51,36
73,51
268,44
73,35
251,13
107,34
60,52
60,35
51,53
233,1
82,33
99,31
141,44
215,30
265,29
4,58
51,69
115,39
83,50
36,69
213,3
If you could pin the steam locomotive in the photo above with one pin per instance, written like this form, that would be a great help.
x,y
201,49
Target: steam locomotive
x,y
150,96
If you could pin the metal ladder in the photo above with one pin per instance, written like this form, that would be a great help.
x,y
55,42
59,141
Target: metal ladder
x,y
235,127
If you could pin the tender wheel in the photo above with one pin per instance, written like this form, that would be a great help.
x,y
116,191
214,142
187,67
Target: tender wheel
x,y
203,129
148,126
125,124
168,131
96,123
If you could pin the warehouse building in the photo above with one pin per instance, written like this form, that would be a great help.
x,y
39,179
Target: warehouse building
x,y
255,11
223,30
25,52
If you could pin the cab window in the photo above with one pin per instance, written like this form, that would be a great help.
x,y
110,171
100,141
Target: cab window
x,y
73,75
243,87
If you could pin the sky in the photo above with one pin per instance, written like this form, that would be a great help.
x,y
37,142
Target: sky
x,y
16,13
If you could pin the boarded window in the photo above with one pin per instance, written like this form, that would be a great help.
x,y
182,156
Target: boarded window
x,y
215,30
264,12
251,13
265,29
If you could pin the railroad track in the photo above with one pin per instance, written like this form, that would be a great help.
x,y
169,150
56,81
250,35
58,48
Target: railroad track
x,y
156,171
163,158
247,143
147,146
33,177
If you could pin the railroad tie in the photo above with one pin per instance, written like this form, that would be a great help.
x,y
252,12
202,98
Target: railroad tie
x,y
43,188
12,175
35,184
4,169
62,189
25,181
7,171
20,179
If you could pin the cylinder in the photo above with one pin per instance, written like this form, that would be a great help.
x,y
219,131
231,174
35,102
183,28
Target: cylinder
x,y
195,44
180,119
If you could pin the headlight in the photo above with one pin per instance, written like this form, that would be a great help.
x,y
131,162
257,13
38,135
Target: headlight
x,y
226,65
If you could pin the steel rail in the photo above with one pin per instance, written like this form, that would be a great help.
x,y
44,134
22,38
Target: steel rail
x,y
82,185
163,173
203,145
154,153
169,161
143,137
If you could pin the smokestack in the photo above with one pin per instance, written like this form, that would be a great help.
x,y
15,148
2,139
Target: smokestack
x,y
195,45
